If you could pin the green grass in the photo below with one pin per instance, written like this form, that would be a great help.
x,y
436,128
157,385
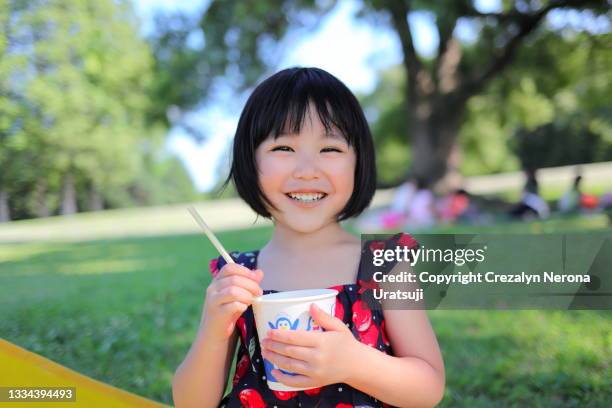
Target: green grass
x,y
125,311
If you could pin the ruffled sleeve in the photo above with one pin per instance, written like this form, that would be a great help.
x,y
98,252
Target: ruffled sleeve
x,y
214,267
215,264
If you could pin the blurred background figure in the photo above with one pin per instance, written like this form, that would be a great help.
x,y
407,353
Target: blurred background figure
x,y
570,200
403,196
399,209
422,210
531,204
605,203
456,206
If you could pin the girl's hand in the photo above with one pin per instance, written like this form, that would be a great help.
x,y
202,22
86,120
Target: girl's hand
x,y
227,297
320,358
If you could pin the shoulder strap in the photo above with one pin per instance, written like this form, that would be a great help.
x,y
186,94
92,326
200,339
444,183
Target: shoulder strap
x,y
371,263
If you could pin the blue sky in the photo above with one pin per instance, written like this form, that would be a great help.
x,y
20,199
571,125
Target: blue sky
x,y
326,48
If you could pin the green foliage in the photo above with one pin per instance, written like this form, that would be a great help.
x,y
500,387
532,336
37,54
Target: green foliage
x,y
75,80
565,117
549,109
556,144
240,42
386,113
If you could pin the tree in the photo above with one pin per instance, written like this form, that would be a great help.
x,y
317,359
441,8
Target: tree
x,y
74,80
240,38
550,108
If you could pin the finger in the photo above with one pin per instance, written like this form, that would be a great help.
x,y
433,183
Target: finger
x,y
259,274
233,309
286,363
240,281
325,320
299,337
237,269
232,294
288,350
298,381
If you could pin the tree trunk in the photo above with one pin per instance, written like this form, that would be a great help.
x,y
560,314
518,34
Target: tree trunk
x,y
40,200
5,215
436,96
69,205
436,153
95,199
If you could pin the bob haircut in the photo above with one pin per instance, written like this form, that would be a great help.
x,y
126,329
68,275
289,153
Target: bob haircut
x,y
282,100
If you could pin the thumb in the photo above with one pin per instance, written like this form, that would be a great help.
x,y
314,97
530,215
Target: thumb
x,y
258,273
325,320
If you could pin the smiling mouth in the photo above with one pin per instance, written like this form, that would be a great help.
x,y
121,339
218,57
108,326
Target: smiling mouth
x,y
306,198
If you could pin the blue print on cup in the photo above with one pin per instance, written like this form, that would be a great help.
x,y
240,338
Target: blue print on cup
x,y
312,325
282,322
269,367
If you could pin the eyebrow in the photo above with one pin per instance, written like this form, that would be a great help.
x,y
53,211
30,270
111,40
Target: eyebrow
x,y
326,135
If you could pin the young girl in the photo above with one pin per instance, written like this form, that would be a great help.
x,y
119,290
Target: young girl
x,y
303,156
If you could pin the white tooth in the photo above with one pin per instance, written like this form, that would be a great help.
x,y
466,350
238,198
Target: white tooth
x,y
307,197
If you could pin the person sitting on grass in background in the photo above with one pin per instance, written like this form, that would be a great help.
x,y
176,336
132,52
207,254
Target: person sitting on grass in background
x,y
422,212
531,205
570,200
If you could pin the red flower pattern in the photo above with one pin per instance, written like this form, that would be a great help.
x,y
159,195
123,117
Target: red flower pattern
x,y
313,391
377,245
250,398
370,336
368,331
241,368
339,310
212,266
284,395
406,241
362,315
241,324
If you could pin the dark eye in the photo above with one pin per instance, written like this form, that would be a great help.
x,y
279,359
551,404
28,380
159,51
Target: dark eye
x,y
333,149
280,147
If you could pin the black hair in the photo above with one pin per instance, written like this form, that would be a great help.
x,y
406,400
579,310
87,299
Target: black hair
x,y
282,100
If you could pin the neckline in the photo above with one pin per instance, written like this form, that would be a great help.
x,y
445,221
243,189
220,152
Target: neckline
x,y
343,286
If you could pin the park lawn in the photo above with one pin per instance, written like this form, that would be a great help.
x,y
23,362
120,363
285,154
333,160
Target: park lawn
x,y
124,311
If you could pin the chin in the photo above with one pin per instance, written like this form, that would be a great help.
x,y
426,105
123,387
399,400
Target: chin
x,y
305,227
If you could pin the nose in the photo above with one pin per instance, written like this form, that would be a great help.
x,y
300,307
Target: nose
x,y
306,166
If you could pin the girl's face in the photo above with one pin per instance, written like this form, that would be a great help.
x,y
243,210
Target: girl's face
x,y
314,161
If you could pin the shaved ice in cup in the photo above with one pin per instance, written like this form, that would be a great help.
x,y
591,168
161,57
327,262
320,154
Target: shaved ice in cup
x,y
289,310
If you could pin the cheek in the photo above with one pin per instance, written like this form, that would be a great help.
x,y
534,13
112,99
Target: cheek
x,y
270,174
345,177
348,183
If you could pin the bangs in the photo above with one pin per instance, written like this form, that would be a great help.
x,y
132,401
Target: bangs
x,y
289,103
296,114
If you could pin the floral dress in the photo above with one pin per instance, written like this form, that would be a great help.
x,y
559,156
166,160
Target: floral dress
x,y
355,306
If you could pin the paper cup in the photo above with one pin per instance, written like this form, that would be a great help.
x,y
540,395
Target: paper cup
x,y
289,310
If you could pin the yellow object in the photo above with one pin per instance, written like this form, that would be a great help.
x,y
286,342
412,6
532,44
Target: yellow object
x,y
22,368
